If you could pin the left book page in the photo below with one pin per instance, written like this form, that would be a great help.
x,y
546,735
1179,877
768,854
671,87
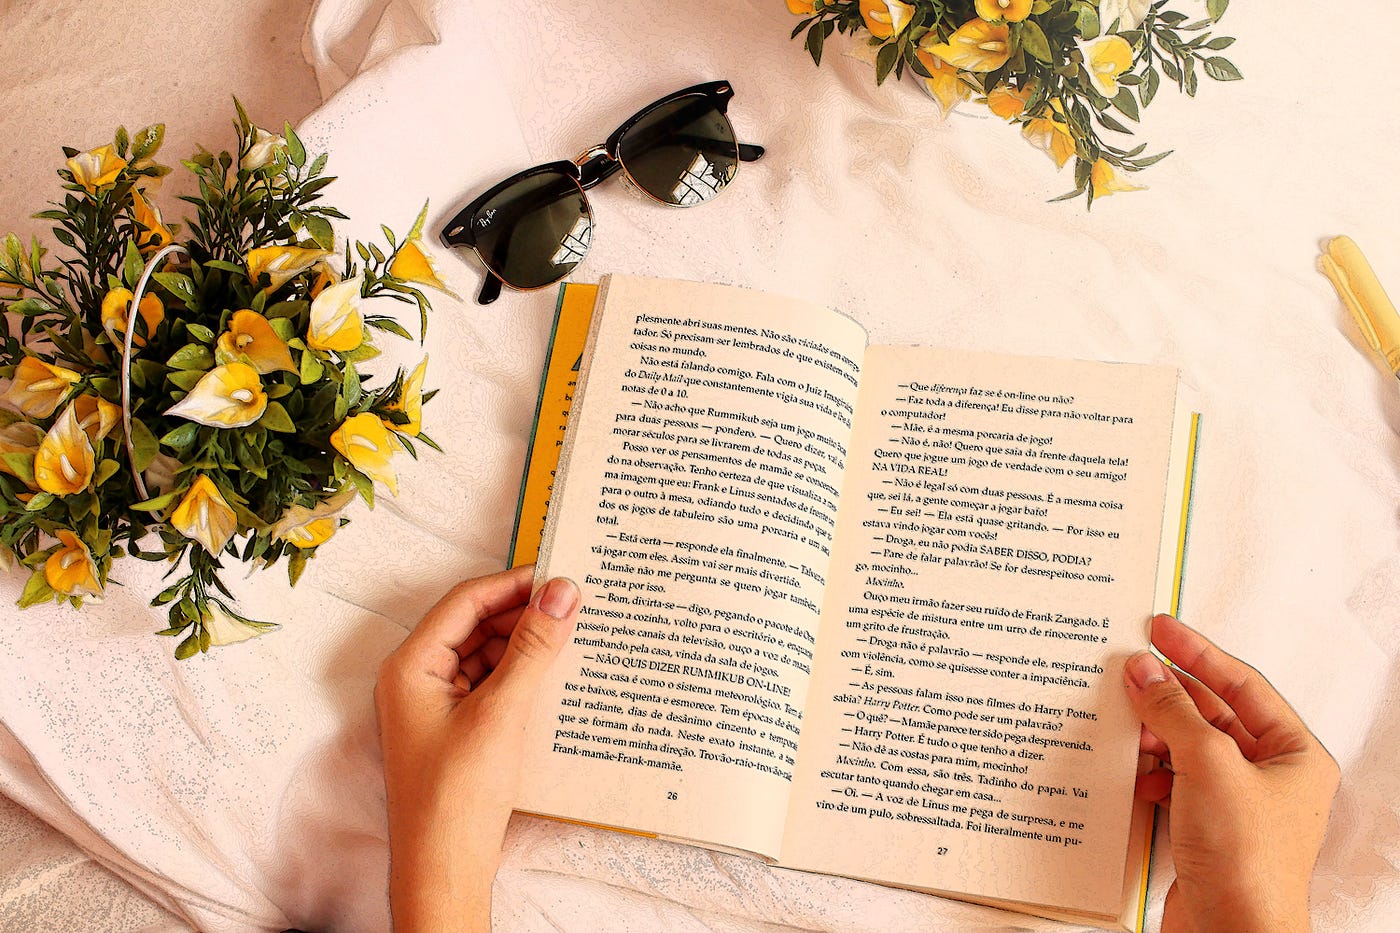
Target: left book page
x,y
699,482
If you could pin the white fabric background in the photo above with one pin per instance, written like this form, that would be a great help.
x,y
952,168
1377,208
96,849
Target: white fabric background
x,y
241,791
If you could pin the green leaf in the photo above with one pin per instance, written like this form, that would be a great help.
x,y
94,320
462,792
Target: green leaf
x,y
201,333
284,328
1034,42
188,648
178,285
390,325
1149,87
186,379
363,483
132,264
350,388
311,368
105,471
1113,124
147,142
1152,159
320,230
296,564
1216,8
1089,24
192,356
296,151
1219,43
181,437
286,309
158,503
1222,69
275,418
816,38
40,502
36,590
21,465
1126,103
884,61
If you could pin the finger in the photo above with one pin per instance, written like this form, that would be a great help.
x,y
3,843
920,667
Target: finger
x,y
451,622
1248,693
1218,713
1168,711
1149,744
498,626
1155,786
477,665
543,629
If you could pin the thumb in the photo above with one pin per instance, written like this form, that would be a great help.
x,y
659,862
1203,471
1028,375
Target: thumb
x,y
539,635
1165,707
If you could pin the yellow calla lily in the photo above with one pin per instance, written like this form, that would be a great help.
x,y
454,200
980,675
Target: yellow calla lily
x,y
96,167
410,401
152,234
1051,136
7,560
1006,102
1106,181
229,396
801,7
307,528
945,83
96,416
204,515
1011,11
65,460
336,321
24,438
250,335
977,45
1105,60
71,570
39,387
227,628
116,308
885,18
282,263
413,265
369,446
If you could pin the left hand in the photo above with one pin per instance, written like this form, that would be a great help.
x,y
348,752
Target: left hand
x,y
453,703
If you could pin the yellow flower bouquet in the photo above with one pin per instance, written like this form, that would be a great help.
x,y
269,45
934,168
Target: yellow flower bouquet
x,y
196,400
1061,69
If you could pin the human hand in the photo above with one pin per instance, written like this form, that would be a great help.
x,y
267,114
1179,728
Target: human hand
x,y
1248,786
453,703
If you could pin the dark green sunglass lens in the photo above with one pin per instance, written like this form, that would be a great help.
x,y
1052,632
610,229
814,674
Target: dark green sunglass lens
x,y
683,152
536,231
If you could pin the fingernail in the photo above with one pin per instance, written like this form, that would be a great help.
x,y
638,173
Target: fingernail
x,y
558,597
1144,670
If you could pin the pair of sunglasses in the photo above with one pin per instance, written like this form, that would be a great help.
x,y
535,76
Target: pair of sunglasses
x,y
532,229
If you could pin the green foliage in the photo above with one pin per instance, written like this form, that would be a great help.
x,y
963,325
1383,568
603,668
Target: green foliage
x,y
280,468
1045,61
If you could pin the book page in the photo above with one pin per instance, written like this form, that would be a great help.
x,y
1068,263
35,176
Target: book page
x,y
696,508
994,567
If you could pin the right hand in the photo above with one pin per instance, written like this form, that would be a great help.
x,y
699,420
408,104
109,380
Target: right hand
x,y
1248,786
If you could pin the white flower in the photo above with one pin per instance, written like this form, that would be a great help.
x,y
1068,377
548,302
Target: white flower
x,y
1128,13
226,628
263,150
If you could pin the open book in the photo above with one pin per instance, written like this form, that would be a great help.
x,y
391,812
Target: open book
x,y
854,609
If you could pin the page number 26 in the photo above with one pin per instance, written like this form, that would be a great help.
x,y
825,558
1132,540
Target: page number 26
x,y
671,795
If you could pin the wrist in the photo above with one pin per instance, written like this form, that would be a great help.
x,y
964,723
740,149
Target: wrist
x,y
451,894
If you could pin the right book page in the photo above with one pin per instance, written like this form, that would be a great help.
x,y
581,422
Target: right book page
x,y
994,565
